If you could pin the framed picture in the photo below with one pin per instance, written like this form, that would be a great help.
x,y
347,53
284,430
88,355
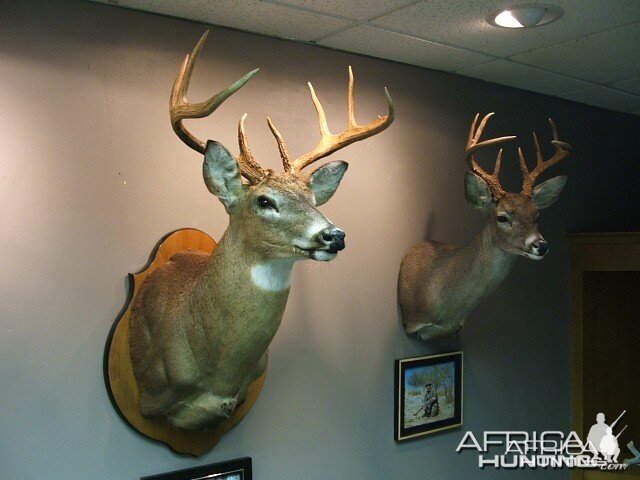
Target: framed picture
x,y
428,395
238,469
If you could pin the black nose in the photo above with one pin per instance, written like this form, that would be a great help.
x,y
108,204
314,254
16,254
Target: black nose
x,y
540,247
333,237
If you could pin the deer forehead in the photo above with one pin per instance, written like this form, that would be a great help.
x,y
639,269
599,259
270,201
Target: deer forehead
x,y
283,185
517,204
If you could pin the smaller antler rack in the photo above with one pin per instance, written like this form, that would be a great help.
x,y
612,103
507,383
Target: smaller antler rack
x,y
562,150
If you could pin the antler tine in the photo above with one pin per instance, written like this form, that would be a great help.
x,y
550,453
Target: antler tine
x,y
329,142
492,179
282,147
351,101
562,150
249,167
474,135
473,144
322,117
496,169
472,130
180,109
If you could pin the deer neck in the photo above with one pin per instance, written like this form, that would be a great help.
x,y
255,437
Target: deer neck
x,y
240,299
489,263
245,283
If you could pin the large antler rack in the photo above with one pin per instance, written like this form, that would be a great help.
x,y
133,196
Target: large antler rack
x,y
329,142
180,109
563,149
473,144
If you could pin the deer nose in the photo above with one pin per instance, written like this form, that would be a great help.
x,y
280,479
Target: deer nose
x,y
333,237
540,247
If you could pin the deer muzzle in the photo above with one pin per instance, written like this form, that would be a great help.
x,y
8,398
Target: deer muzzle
x,y
332,238
540,248
536,247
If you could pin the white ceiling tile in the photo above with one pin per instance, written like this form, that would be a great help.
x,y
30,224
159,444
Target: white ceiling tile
x,y
523,76
383,44
630,86
285,22
356,9
463,23
606,98
601,58
251,15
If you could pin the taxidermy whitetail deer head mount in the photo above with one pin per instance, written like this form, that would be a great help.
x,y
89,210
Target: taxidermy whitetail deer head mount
x,y
201,324
440,284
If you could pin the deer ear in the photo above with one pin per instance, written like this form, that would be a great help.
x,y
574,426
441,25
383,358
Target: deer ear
x,y
222,175
547,192
324,181
476,191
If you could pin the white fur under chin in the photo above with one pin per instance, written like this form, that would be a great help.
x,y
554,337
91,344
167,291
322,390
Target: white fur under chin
x,y
323,256
274,275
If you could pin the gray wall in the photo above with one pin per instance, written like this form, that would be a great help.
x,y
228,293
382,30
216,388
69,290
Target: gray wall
x,y
91,177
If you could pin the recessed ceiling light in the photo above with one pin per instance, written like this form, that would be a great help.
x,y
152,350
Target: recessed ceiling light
x,y
526,16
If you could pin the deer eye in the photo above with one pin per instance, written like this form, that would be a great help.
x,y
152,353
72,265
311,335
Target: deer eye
x,y
503,218
265,202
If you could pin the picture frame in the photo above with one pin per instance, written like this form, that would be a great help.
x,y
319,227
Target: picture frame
x,y
428,395
238,469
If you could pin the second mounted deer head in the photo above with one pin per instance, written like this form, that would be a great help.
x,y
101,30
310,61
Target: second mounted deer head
x,y
201,324
440,284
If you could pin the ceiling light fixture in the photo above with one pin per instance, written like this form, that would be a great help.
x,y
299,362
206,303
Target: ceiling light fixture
x,y
526,16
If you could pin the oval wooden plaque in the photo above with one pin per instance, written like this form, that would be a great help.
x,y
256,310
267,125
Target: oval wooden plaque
x,y
122,383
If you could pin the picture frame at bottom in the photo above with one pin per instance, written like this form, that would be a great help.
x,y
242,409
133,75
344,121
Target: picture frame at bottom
x,y
428,395
238,469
